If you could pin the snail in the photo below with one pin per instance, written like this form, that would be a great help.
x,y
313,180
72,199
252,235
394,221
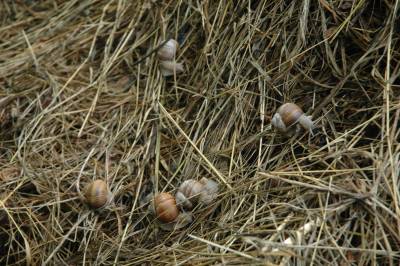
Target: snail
x,y
168,51
165,207
166,55
169,216
192,192
189,192
97,194
288,115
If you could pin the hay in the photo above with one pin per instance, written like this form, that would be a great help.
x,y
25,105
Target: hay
x,y
82,97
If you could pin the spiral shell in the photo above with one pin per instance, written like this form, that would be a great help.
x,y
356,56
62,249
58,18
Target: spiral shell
x,y
97,194
192,192
168,51
189,193
288,115
165,207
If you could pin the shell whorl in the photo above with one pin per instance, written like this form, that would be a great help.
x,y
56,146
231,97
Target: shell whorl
x,y
165,207
97,194
189,192
290,113
288,119
191,188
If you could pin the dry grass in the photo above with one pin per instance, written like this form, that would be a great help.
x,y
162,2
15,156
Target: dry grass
x,y
82,97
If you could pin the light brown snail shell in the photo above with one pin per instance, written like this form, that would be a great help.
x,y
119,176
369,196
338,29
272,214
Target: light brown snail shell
x,y
97,194
168,51
288,115
192,192
189,193
165,207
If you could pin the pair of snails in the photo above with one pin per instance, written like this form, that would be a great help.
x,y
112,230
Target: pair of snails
x,y
191,192
166,55
288,117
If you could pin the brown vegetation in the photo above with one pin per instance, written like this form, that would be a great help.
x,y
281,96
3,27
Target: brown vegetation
x,y
82,98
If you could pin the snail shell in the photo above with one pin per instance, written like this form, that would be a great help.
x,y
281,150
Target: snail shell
x,y
168,51
165,207
97,194
192,192
189,193
288,115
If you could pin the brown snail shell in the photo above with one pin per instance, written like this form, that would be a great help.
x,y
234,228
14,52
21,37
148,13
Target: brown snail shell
x,y
165,207
288,115
168,51
97,194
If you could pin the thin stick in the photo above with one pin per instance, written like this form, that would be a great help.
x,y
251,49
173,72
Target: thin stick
x,y
224,248
83,217
195,147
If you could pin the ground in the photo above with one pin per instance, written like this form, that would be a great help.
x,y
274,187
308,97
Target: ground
x,y
82,97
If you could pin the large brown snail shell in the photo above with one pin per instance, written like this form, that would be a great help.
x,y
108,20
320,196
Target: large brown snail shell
x,y
165,207
97,194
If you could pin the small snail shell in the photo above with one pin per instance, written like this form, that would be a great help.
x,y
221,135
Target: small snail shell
x,y
168,51
165,207
288,115
189,193
169,68
97,194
